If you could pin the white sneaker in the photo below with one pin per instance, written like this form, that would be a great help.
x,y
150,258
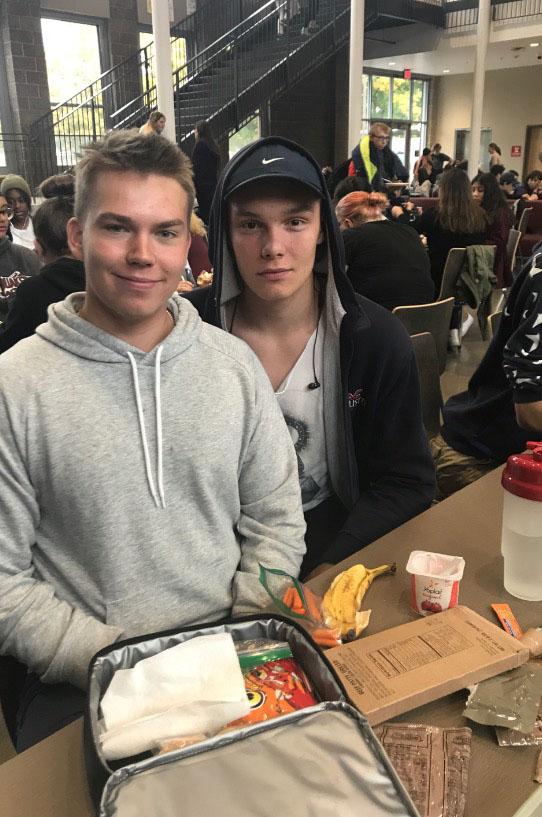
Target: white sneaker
x,y
453,339
466,325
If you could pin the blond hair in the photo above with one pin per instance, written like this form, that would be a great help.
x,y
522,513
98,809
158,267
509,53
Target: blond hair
x,y
379,126
126,151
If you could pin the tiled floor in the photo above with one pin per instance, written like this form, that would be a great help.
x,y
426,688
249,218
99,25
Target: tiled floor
x,y
459,368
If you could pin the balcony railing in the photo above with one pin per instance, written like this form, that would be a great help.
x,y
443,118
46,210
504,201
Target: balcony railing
x,y
461,14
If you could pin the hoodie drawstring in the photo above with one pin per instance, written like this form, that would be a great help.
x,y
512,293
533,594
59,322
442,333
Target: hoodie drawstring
x,y
159,502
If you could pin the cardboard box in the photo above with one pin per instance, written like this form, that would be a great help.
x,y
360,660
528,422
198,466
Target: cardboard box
x,y
399,669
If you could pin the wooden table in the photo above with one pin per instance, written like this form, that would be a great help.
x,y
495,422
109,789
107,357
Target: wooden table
x,y
467,524
49,779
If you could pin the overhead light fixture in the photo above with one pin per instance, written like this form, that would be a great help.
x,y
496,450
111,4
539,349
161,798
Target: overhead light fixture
x,y
534,45
391,63
445,70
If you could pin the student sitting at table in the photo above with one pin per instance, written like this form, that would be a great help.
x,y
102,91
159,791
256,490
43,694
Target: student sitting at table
x,y
342,368
385,261
502,408
116,519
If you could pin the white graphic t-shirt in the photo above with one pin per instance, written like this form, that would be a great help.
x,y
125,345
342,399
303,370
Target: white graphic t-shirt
x,y
303,410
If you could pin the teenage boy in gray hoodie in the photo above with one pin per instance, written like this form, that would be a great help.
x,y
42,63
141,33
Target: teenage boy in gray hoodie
x,y
118,516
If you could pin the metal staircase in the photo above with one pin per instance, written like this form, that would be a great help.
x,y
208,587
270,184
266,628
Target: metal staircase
x,y
226,66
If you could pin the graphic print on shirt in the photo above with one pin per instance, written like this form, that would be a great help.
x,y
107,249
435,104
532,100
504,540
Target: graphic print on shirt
x,y
299,432
523,351
303,412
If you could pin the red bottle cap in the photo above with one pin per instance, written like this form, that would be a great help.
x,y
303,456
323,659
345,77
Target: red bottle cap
x,y
522,475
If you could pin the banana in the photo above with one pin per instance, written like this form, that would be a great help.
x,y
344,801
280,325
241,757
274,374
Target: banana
x,y
342,601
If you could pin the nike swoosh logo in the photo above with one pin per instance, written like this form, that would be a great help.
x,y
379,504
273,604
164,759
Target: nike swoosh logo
x,y
268,161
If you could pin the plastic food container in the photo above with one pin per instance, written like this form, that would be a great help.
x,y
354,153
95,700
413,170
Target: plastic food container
x,y
434,581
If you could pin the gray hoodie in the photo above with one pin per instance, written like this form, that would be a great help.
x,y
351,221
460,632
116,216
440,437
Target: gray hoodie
x,y
119,515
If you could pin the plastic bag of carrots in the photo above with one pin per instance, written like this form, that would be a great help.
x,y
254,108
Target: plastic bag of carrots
x,y
296,600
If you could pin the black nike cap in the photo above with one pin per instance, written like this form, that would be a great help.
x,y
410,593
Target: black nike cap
x,y
274,160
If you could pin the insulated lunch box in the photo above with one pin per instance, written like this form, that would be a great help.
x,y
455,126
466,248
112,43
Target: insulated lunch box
x,y
322,761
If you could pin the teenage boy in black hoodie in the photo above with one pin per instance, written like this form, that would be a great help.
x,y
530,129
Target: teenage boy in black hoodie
x,y
342,368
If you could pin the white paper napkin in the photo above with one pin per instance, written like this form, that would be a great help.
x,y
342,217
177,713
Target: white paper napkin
x,y
194,687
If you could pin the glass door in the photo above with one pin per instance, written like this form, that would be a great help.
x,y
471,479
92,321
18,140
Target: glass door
x,y
400,141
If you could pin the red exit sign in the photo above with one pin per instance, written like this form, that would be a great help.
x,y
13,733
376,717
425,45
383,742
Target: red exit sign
x,y
407,73
515,150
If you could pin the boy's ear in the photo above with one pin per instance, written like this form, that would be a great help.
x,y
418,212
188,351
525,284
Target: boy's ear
x,y
74,231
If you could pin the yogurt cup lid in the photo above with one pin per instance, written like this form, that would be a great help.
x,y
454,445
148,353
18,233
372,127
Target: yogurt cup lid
x,y
436,565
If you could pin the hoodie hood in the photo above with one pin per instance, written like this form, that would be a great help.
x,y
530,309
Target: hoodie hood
x,y
77,336
275,157
67,330
66,274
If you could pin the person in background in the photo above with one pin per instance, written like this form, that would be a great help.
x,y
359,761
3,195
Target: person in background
x,y
17,193
487,193
510,185
206,164
369,158
61,274
113,521
438,160
154,124
502,408
533,186
342,368
385,261
16,262
351,184
198,267
456,221
422,174
495,157
497,171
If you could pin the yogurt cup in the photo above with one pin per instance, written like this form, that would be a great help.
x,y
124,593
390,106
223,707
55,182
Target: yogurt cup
x,y
434,581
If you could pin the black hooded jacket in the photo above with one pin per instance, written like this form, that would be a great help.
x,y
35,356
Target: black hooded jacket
x,y
28,309
387,473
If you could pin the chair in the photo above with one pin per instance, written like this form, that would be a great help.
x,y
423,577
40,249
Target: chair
x,y
524,221
426,357
452,269
433,318
512,248
493,323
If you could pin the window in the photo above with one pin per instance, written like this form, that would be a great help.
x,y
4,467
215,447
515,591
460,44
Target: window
x,y
401,104
245,135
380,97
72,57
462,145
178,58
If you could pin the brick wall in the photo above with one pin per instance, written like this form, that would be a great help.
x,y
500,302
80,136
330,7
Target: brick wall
x,y
27,90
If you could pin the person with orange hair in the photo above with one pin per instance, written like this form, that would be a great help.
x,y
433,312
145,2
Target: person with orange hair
x,y
386,261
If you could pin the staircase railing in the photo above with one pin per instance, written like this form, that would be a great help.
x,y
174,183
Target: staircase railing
x,y
105,102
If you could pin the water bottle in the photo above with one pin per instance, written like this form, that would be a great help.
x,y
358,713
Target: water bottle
x,y
521,542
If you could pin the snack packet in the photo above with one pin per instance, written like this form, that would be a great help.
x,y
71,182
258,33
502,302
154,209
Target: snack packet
x,y
275,683
433,765
296,600
510,699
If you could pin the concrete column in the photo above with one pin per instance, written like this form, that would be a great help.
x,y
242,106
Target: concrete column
x,y
482,39
355,85
163,66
